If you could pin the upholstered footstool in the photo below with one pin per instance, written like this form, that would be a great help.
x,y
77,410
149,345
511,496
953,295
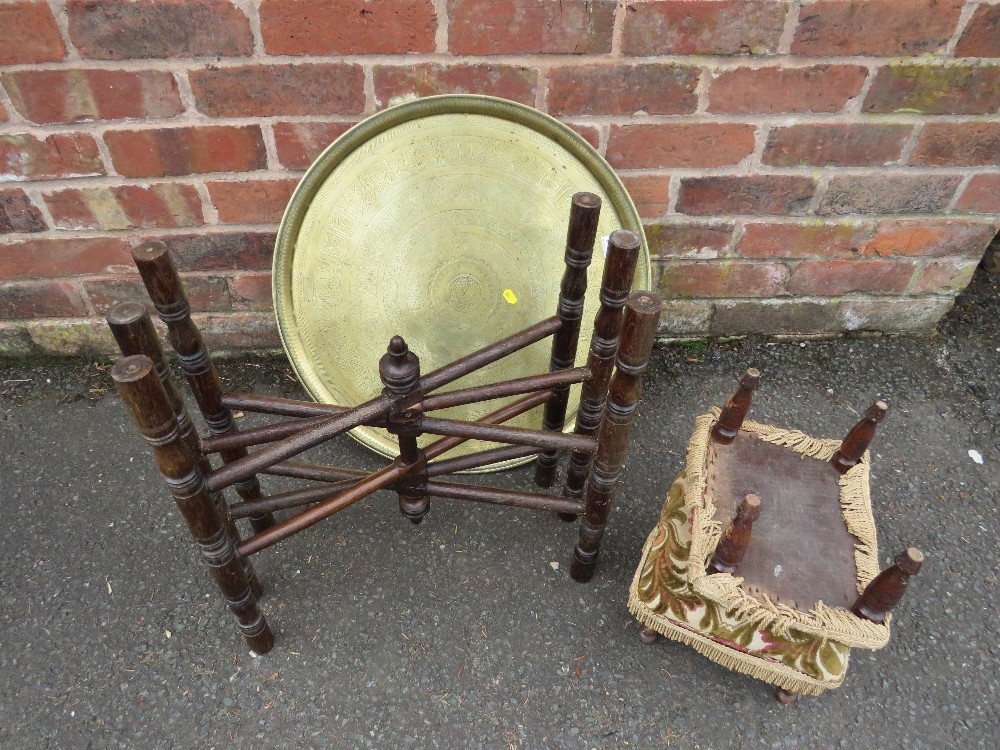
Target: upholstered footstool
x,y
765,557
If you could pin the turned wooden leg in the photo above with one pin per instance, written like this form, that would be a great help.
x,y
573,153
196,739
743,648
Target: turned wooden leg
x,y
642,315
584,213
648,635
736,408
143,394
887,588
859,438
167,293
619,270
785,696
735,539
399,369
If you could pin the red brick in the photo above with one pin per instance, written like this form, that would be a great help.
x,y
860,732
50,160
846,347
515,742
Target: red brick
x,y
347,27
25,156
176,151
30,34
679,145
69,257
206,294
831,278
961,144
675,240
818,88
251,201
935,90
981,195
506,81
251,291
888,193
130,29
722,279
510,27
267,90
221,251
811,240
3,114
18,214
299,143
875,27
649,192
981,37
126,207
49,299
841,145
703,27
45,96
590,133
931,238
751,194
947,275
654,88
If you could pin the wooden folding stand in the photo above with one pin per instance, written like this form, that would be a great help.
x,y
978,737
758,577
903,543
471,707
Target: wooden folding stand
x,y
598,445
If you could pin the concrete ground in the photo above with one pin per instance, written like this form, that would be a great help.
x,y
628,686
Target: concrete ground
x,y
466,632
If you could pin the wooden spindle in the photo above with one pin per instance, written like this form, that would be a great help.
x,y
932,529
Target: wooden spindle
x,y
736,408
167,293
735,539
859,438
585,212
887,588
642,315
619,270
143,394
399,370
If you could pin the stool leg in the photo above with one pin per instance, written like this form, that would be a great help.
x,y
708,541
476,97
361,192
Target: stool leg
x,y
859,438
583,217
731,419
143,394
648,635
642,315
785,696
399,370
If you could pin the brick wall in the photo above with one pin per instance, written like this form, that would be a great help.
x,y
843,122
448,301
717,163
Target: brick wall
x,y
803,167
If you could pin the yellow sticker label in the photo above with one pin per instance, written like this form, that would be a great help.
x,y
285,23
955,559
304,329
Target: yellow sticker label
x,y
509,295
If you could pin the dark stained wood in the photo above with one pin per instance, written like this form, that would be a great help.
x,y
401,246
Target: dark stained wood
x,y
736,408
267,434
585,212
314,472
785,696
511,410
399,370
143,394
859,438
477,460
888,587
735,539
642,316
619,270
503,434
288,407
514,387
648,635
499,496
292,499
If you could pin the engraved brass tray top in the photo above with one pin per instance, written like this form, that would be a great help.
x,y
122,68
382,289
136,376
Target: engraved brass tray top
x,y
442,220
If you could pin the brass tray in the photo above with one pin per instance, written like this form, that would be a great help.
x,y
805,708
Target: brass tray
x,y
442,220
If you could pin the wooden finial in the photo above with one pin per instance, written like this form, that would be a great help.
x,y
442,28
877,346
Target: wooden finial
x,y
398,368
736,409
736,538
888,587
859,438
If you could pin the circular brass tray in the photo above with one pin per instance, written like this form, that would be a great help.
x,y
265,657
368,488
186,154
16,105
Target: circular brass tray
x,y
442,220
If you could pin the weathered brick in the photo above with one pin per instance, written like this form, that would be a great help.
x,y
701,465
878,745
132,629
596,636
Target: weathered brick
x,y
653,88
932,237
875,27
347,27
981,195
130,29
816,88
685,318
888,193
590,133
299,143
841,145
18,213
510,27
751,195
813,239
26,157
159,152
649,192
771,316
722,279
236,331
76,338
45,299
507,81
831,278
702,144
935,90
900,315
46,96
675,240
946,275
15,342
221,251
961,144
30,34
3,114
251,291
126,207
703,27
981,37
251,201
70,256
268,90
204,293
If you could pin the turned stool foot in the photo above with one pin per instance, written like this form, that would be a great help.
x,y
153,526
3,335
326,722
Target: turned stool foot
x,y
567,517
648,635
785,696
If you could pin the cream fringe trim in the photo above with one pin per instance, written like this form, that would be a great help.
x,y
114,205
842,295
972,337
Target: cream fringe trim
x,y
855,500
